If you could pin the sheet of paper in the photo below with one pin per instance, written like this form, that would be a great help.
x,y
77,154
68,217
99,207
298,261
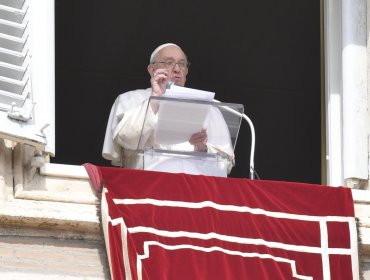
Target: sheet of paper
x,y
179,120
189,93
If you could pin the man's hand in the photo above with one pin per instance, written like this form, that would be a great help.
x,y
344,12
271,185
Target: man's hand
x,y
159,81
199,141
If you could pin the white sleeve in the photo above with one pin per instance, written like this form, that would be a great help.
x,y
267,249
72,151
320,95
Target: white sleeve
x,y
124,106
131,127
219,140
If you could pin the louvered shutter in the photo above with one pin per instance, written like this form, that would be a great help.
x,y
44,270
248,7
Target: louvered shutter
x,y
27,83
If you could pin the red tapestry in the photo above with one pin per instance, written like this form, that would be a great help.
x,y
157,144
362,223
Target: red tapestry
x,y
177,226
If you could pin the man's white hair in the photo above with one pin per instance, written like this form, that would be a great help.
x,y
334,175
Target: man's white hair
x,y
154,53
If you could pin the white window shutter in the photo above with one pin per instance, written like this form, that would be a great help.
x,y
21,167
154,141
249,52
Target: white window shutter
x,y
27,72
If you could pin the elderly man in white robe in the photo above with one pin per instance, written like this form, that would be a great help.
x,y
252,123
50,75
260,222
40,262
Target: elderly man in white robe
x,y
168,64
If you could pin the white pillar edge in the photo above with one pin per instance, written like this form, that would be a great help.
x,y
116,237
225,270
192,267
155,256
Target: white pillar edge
x,y
333,91
355,100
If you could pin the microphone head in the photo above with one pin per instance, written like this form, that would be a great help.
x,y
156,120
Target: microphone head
x,y
169,84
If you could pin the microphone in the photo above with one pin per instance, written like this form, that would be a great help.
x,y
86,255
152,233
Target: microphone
x,y
169,84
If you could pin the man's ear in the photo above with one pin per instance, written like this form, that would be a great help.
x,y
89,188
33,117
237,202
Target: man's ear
x,y
150,69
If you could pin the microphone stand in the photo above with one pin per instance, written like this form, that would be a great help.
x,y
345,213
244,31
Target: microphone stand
x,y
253,137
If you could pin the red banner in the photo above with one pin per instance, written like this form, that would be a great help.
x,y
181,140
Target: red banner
x,y
177,226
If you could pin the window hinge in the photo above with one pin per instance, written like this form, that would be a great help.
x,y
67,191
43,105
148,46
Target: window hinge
x,y
21,116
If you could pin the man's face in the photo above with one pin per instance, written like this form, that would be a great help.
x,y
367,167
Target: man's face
x,y
173,59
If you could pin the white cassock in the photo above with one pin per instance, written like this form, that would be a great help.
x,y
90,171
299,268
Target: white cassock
x,y
125,126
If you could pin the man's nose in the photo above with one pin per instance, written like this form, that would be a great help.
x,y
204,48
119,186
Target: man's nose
x,y
176,68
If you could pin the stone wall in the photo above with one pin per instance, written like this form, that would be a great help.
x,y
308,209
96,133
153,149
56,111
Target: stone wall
x,y
49,223
23,257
